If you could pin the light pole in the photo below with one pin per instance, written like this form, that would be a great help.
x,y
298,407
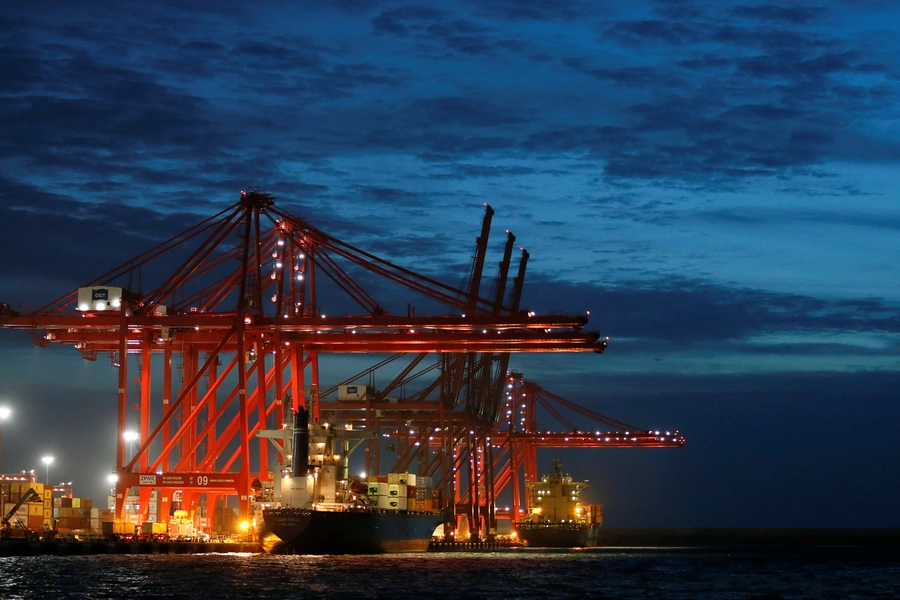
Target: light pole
x,y
112,479
4,413
47,460
131,437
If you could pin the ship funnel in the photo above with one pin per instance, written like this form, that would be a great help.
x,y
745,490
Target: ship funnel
x,y
300,444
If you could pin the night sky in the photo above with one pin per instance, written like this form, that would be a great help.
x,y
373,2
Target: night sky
x,y
715,181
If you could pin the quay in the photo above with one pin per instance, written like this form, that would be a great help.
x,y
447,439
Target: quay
x,y
441,546
72,547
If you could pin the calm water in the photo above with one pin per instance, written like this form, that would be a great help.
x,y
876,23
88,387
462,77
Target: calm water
x,y
769,574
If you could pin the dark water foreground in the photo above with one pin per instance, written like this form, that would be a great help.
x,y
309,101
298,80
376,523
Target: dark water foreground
x,y
762,572
749,537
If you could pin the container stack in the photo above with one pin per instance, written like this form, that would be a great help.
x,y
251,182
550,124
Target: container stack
x,y
72,514
425,495
99,516
402,491
32,514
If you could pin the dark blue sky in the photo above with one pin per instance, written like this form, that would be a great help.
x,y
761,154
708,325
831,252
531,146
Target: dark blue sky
x,y
715,181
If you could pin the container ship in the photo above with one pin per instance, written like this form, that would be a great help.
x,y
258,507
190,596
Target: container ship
x,y
557,518
319,509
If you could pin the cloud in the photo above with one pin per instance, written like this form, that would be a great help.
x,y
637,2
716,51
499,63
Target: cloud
x,y
791,15
686,311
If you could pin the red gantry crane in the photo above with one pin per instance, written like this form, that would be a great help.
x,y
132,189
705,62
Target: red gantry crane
x,y
227,327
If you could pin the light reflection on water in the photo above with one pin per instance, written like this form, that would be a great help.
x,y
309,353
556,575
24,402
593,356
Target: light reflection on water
x,y
769,573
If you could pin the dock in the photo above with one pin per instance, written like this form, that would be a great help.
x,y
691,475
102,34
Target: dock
x,y
74,548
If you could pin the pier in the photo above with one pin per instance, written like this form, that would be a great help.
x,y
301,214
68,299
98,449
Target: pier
x,y
74,548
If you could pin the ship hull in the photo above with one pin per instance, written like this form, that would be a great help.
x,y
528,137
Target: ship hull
x,y
558,535
352,532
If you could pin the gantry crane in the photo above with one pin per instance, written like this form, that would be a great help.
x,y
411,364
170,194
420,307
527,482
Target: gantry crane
x,y
487,460
230,319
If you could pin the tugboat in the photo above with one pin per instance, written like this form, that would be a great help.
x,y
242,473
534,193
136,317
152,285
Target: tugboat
x,y
319,509
558,519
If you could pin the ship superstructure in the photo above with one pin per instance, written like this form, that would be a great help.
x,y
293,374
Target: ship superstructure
x,y
557,516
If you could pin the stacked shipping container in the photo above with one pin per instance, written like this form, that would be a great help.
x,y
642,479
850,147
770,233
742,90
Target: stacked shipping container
x,y
33,515
403,491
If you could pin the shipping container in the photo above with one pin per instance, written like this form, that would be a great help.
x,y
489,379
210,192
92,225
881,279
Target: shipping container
x,y
102,513
117,527
398,503
152,528
36,510
82,503
394,490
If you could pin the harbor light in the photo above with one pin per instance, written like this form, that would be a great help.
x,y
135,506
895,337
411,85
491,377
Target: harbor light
x,y
47,460
4,413
131,437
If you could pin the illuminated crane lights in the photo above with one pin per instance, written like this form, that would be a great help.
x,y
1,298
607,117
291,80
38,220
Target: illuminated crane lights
x,y
229,362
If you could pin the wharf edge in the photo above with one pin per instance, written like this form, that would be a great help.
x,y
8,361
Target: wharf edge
x,y
74,548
